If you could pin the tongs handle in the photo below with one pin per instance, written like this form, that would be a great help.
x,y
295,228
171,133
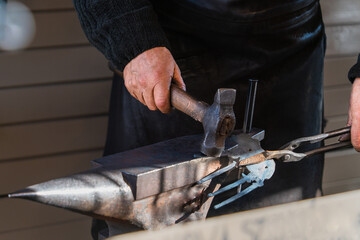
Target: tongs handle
x,y
329,148
294,156
338,132
314,139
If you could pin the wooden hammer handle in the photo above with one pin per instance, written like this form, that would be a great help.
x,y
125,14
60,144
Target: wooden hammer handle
x,y
180,100
185,103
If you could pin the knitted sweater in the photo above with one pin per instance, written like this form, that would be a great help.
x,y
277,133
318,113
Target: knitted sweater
x,y
122,29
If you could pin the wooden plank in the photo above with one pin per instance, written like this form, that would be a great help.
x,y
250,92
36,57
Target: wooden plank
x,y
22,173
57,28
342,165
337,101
48,5
343,40
54,101
336,71
336,122
340,12
76,229
52,66
43,138
18,214
341,186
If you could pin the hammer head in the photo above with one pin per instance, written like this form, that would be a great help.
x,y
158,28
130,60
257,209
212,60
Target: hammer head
x,y
218,122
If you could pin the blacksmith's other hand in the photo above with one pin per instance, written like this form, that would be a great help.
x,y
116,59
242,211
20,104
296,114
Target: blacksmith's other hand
x,y
354,116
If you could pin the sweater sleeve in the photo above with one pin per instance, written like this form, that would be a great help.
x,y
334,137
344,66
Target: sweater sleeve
x,y
120,29
354,71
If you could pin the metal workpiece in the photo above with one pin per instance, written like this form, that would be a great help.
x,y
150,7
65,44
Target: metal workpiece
x,y
250,106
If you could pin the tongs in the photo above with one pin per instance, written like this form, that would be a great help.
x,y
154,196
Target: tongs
x,y
260,163
287,154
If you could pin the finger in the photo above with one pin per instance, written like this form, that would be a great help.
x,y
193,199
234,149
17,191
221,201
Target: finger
x,y
355,115
148,97
177,78
137,95
162,96
355,135
347,136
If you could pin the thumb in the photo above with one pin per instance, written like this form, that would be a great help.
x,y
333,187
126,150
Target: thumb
x,y
177,79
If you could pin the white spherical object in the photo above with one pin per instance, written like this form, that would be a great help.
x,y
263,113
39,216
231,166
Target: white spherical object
x,y
17,27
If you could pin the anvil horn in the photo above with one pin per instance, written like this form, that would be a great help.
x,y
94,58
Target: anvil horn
x,y
103,193
90,192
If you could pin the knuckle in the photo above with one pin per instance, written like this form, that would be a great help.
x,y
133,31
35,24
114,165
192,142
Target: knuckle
x,y
142,82
162,103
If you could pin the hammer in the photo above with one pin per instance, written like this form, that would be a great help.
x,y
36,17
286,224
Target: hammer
x,y
218,119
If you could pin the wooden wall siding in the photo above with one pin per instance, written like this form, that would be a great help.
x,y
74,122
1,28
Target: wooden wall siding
x,y
46,5
54,101
76,229
337,12
47,66
22,173
20,213
336,71
334,166
341,171
58,28
343,40
51,137
336,101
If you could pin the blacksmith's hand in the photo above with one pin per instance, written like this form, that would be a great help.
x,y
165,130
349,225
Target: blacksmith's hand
x,y
149,75
354,116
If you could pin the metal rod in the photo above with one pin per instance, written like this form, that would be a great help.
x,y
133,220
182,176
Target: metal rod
x,y
218,172
250,105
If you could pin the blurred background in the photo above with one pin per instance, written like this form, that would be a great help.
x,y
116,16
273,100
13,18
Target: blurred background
x,y
53,112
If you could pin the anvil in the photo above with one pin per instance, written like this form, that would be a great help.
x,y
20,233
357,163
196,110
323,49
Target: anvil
x,y
151,187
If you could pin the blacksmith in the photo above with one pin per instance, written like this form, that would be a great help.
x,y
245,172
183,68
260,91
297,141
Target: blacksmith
x,y
202,45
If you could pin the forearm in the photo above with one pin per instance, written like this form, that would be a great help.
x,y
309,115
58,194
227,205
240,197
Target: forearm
x,y
120,29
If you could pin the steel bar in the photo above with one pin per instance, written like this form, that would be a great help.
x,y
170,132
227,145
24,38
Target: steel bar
x,y
250,105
